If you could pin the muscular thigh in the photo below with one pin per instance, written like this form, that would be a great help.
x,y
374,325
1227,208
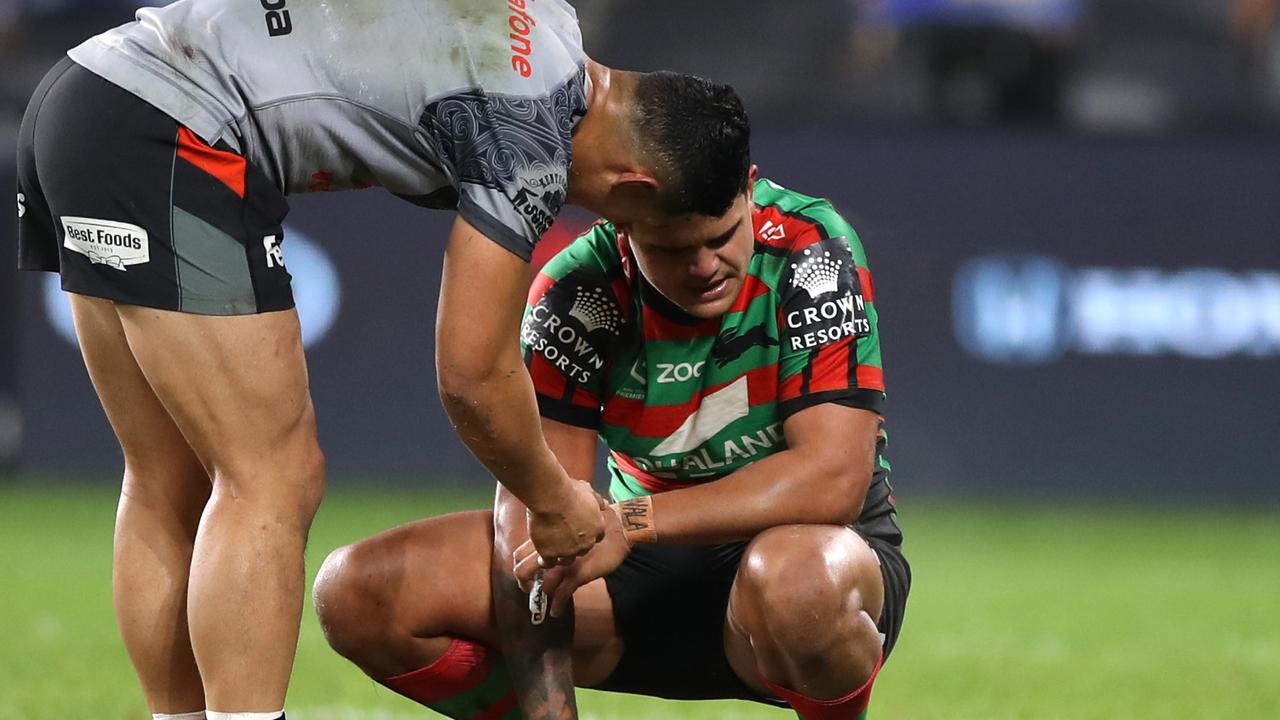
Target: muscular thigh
x,y
432,577
157,457
235,386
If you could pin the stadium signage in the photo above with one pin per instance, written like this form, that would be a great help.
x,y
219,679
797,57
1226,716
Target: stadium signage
x,y
1035,309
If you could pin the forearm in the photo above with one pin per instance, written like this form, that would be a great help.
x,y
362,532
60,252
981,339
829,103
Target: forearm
x,y
782,489
496,416
539,657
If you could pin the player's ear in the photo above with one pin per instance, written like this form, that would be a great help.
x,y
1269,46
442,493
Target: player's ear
x,y
637,181
633,195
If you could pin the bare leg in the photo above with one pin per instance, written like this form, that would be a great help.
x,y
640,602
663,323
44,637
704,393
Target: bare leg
x,y
802,611
164,492
392,603
236,388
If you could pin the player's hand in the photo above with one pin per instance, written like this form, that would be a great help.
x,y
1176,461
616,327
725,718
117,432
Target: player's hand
x,y
571,526
560,583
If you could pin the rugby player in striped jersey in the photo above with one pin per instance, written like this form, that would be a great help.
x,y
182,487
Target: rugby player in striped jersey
x,y
730,362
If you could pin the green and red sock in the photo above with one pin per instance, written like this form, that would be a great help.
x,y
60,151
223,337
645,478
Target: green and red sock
x,y
850,707
468,682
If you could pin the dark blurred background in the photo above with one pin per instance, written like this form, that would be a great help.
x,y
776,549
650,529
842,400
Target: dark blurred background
x,y
1071,207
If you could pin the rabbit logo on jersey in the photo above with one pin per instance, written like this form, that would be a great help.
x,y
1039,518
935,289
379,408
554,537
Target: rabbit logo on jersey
x,y
571,326
825,303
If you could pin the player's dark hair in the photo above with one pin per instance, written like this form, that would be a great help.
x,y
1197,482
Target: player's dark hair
x,y
697,134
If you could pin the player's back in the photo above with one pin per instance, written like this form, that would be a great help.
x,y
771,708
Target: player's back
x,y
332,94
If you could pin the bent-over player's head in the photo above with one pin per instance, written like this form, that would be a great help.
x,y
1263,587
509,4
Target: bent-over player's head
x,y
658,143
667,159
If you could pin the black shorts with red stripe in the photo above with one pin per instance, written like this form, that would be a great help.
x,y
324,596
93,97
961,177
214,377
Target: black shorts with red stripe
x,y
130,206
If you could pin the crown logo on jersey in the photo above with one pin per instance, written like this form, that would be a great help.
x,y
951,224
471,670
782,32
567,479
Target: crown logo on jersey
x,y
816,274
594,310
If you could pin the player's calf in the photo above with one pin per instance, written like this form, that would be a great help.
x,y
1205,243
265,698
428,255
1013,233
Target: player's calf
x,y
411,608
806,598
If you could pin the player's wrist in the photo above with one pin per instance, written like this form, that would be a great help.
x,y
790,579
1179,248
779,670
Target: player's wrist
x,y
636,518
551,494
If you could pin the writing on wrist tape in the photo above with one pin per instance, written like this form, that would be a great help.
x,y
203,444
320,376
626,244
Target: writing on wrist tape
x,y
636,516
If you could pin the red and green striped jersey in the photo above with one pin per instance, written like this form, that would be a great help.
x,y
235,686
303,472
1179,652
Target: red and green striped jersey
x,y
680,401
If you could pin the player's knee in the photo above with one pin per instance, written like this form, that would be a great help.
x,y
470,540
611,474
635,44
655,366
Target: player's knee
x,y
350,602
290,484
802,585
311,481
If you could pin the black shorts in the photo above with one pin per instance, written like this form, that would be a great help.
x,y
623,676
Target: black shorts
x,y
669,605
130,206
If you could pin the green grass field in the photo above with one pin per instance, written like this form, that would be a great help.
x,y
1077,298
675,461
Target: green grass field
x,y
1017,612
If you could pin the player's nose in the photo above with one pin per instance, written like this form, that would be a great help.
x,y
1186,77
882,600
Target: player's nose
x,y
705,264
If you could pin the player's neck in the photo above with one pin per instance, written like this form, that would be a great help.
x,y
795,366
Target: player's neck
x,y
604,148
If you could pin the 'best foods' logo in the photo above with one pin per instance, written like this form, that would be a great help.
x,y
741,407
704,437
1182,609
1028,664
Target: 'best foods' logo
x,y
106,242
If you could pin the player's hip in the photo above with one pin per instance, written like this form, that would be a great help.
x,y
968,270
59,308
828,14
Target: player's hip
x,y
129,205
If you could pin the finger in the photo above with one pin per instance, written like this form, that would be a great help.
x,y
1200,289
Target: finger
x,y
551,579
562,594
525,570
550,561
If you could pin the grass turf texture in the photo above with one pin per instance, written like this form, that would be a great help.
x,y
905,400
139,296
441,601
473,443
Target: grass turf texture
x,y
1017,612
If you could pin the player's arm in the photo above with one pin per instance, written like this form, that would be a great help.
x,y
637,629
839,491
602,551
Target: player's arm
x,y
489,397
539,657
821,478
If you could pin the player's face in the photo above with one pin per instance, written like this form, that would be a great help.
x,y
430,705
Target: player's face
x,y
697,262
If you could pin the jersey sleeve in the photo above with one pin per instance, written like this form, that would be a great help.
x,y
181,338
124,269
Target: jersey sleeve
x,y
571,325
510,157
828,325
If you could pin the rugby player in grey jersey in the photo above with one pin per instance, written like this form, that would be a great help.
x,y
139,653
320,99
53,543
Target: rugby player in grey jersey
x,y
153,167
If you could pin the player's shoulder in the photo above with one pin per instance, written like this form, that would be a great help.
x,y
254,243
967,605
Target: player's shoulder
x,y
588,270
792,221
595,251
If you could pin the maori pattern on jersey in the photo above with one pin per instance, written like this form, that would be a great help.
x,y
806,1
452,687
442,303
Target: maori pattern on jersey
x,y
519,146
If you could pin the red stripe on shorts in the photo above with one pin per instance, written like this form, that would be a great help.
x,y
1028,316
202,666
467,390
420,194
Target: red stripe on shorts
x,y
227,167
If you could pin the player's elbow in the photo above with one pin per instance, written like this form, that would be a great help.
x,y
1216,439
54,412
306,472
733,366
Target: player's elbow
x,y
838,494
462,376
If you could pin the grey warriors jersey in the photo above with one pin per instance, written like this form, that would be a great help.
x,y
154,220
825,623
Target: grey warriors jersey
x,y
466,104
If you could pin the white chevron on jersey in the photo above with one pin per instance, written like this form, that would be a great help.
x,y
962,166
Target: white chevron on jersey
x,y
714,414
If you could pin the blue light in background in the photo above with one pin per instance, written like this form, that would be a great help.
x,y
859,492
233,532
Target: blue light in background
x,y
1033,309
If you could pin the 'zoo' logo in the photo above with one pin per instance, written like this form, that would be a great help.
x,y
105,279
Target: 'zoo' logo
x,y
679,372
